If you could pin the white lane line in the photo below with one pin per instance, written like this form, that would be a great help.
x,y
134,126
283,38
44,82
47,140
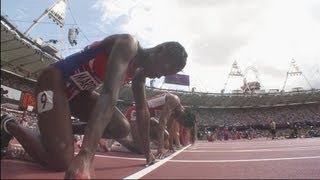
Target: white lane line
x,y
238,147
118,157
147,170
23,162
243,160
16,145
254,150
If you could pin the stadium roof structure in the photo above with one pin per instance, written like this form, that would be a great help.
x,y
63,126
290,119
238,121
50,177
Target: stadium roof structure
x,y
22,55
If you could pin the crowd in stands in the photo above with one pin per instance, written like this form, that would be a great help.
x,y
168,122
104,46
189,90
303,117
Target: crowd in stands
x,y
233,100
258,116
16,82
25,118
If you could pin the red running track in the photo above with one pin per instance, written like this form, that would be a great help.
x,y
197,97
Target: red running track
x,y
255,159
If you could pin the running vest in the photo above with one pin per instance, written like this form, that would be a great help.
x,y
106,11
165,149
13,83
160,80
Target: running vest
x,y
85,70
155,105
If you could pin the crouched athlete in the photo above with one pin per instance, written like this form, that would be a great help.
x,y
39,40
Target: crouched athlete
x,y
67,87
168,108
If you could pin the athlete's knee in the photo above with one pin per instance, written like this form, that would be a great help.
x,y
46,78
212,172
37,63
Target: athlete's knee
x,y
117,131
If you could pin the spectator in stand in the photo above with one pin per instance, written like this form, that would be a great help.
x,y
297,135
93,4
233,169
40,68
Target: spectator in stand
x,y
24,119
226,134
273,129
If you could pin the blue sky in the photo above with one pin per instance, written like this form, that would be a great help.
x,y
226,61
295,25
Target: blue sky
x,y
264,34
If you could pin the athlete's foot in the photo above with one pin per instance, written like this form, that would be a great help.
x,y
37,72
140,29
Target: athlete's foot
x,y
5,135
17,153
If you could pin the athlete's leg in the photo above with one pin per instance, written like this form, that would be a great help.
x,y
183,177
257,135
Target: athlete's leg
x,y
175,133
155,130
53,147
81,107
118,128
133,144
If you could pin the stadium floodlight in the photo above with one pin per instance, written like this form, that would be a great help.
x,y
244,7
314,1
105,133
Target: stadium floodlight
x,y
234,72
294,71
56,12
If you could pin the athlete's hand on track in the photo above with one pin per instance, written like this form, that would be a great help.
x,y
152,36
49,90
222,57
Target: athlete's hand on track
x,y
150,160
81,167
171,149
160,154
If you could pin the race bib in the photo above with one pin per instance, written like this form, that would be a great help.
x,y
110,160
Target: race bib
x,y
84,81
44,101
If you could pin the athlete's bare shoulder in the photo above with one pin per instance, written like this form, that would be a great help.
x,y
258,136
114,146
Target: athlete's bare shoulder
x,y
172,99
171,96
109,41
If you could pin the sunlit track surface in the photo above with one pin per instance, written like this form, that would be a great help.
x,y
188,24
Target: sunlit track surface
x,y
242,159
112,165
255,159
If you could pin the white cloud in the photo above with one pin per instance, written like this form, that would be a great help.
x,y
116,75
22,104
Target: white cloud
x,y
264,34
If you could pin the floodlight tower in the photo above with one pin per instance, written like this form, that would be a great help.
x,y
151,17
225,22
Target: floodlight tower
x,y
294,71
234,72
56,11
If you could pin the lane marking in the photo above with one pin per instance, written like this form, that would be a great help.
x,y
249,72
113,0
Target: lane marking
x,y
147,170
20,161
115,157
237,147
256,150
16,145
118,157
243,160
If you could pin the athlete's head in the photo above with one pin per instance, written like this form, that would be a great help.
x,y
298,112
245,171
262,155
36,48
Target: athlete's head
x,y
187,119
178,113
164,59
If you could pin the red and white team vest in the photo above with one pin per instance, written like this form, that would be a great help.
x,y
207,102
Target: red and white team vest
x,y
155,105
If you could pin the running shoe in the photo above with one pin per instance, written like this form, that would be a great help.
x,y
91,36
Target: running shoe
x,y
5,136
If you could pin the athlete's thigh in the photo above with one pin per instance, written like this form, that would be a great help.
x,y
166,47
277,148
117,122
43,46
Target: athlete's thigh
x,y
54,114
82,106
118,127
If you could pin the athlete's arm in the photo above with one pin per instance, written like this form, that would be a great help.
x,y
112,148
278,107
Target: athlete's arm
x,y
165,114
173,104
142,112
124,48
172,132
